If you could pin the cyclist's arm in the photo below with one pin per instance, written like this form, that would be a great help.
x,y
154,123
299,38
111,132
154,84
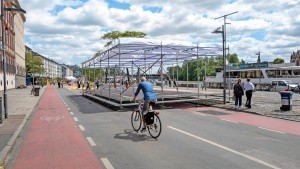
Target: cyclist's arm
x,y
136,93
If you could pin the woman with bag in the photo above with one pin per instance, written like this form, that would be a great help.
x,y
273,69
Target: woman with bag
x,y
238,92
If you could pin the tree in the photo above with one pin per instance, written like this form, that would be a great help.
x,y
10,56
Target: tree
x,y
232,58
33,64
278,61
116,34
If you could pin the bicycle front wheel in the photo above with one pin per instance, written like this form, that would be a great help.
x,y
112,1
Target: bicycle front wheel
x,y
136,120
155,128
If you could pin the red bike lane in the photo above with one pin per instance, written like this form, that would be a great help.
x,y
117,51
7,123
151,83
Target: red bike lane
x,y
54,140
270,123
280,125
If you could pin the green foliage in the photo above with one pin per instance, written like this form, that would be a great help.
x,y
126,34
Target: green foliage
x,y
232,58
33,64
116,34
278,61
89,73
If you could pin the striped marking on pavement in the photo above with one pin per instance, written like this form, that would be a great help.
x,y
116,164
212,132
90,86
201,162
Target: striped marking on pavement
x,y
200,114
106,163
229,121
81,127
226,148
91,141
72,113
272,130
69,108
75,118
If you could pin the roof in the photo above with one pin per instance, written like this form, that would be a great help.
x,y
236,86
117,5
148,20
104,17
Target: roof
x,y
125,52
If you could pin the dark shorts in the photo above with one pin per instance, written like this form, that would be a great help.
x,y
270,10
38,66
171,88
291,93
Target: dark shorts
x,y
146,105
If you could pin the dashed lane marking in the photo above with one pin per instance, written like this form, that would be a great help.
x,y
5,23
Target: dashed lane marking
x,y
69,109
72,113
229,121
226,148
200,114
81,127
272,130
91,141
106,163
75,118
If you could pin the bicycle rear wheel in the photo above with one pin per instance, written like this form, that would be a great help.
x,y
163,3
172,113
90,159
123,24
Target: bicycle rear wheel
x,y
155,128
136,120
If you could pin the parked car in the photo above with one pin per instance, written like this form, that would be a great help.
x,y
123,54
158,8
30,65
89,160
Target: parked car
x,y
280,85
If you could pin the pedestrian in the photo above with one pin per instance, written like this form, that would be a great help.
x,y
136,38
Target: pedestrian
x,y
58,83
78,84
87,85
175,83
238,92
97,84
170,83
249,88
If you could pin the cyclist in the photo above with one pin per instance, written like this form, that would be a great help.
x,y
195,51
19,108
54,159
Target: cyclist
x,y
149,96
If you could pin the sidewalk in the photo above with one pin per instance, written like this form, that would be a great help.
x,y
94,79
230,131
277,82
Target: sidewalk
x,y
20,105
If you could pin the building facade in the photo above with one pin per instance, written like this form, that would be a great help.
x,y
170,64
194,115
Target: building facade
x,y
13,32
66,71
295,58
20,76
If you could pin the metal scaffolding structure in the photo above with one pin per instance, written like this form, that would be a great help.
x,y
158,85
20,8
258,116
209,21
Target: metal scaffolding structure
x,y
142,56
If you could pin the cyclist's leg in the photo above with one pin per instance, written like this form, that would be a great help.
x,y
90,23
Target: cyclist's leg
x,y
145,109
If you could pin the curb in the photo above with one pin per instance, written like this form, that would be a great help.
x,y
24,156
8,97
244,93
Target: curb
x,y
9,146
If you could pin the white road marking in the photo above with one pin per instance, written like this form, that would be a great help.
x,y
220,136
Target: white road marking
x,y
272,130
91,141
201,114
106,163
71,113
69,109
81,127
226,148
75,118
229,121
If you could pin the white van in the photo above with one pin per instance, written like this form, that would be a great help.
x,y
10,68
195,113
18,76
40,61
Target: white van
x,y
280,85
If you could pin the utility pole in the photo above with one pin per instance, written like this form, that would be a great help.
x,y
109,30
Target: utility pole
x,y
224,50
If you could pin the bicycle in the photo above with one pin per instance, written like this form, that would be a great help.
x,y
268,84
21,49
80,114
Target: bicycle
x,y
151,118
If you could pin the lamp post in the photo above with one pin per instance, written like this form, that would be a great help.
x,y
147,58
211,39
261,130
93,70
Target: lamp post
x,y
15,9
258,62
224,60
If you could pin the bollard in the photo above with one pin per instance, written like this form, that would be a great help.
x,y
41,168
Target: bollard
x,y
0,110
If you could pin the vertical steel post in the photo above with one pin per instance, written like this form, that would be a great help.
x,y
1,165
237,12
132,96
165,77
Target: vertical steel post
x,y
0,110
94,76
224,66
198,73
3,59
161,71
121,82
187,75
109,84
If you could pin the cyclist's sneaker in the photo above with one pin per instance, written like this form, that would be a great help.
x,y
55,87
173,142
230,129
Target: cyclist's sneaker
x,y
143,129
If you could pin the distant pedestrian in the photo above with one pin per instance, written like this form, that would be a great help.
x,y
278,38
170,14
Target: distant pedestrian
x,y
170,83
78,85
58,83
97,84
238,92
175,83
249,88
87,85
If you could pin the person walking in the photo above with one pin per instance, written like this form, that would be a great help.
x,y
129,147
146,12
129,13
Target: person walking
x,y
249,88
238,92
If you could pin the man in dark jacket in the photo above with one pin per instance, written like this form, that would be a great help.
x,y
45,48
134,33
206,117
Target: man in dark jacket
x,y
238,93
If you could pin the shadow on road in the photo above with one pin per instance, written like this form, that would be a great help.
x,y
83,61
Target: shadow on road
x,y
132,135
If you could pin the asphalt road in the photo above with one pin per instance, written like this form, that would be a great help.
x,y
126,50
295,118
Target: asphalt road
x,y
188,140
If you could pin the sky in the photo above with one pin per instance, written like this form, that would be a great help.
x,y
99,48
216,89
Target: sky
x,y
69,31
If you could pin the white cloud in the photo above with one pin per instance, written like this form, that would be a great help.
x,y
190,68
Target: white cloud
x,y
69,30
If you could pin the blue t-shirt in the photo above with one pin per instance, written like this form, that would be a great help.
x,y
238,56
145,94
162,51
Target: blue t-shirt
x,y
147,89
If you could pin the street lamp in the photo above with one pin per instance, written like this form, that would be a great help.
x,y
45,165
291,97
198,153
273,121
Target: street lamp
x,y
258,62
15,9
219,30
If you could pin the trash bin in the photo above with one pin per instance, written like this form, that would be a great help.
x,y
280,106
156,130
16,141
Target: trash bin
x,y
286,100
37,90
